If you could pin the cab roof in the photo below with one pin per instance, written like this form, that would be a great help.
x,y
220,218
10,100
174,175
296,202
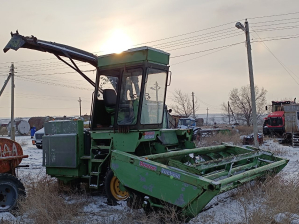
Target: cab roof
x,y
134,56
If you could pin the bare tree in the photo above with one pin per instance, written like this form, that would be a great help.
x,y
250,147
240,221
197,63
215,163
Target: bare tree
x,y
240,103
183,103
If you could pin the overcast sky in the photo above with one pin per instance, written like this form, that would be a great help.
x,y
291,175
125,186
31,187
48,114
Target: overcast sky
x,y
189,30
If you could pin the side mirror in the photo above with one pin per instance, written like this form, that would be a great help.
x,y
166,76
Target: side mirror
x,y
266,107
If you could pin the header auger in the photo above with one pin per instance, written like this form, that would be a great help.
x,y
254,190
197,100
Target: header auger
x,y
129,147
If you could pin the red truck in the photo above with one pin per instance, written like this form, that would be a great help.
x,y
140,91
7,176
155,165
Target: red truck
x,y
274,123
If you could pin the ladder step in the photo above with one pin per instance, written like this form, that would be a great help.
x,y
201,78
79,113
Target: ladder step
x,y
97,160
85,157
100,147
94,173
93,186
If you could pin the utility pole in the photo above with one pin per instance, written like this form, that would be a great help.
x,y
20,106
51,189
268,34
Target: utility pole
x,y
193,105
12,125
228,112
80,104
246,30
156,88
207,115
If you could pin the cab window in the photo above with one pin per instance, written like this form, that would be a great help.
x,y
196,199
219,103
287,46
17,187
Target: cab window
x,y
153,99
129,97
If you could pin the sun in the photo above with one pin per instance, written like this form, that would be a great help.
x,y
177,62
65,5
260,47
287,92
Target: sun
x,y
118,42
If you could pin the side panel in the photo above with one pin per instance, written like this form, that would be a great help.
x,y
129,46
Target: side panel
x,y
291,118
291,122
61,150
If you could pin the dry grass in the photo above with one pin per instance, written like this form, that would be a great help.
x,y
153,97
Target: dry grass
x,y
245,130
262,201
279,196
231,138
45,203
279,151
259,201
134,216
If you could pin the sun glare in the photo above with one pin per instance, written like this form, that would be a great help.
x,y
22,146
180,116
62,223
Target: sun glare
x,y
117,42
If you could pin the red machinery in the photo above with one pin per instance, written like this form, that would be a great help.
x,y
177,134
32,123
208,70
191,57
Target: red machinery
x,y
274,123
11,188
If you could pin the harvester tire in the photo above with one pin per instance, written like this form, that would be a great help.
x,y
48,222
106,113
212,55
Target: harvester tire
x,y
135,201
11,191
112,189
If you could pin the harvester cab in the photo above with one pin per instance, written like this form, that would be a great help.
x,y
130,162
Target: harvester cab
x,y
128,149
130,90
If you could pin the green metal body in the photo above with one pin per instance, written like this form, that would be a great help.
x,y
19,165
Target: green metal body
x,y
149,160
129,135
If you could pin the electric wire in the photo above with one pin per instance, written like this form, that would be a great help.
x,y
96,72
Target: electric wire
x,y
197,52
201,41
276,20
199,56
184,34
275,15
274,24
277,28
283,38
205,35
38,97
54,84
284,67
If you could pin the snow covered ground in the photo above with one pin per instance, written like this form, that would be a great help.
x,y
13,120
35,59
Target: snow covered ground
x,y
223,208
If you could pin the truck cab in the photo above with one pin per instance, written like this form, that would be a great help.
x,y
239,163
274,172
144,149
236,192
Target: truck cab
x,y
38,138
186,123
274,123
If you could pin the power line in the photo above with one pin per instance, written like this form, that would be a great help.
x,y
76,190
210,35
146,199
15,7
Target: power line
x,y
179,35
199,56
275,24
43,97
43,107
283,38
184,34
205,35
200,40
284,67
201,43
275,15
276,20
278,28
58,73
51,83
197,52
31,60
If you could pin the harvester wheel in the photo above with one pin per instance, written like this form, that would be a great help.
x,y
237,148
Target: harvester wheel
x,y
135,201
11,190
113,191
